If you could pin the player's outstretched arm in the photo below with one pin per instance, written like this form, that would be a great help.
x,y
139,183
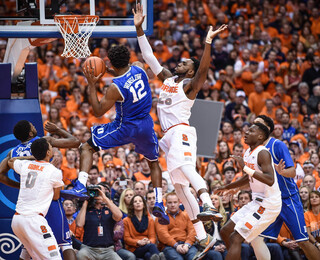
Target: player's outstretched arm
x,y
196,83
67,140
111,96
147,53
4,168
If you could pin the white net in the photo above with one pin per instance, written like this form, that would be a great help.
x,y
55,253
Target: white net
x,y
76,31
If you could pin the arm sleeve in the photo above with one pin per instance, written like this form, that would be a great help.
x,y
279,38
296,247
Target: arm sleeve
x,y
128,239
17,166
148,56
152,232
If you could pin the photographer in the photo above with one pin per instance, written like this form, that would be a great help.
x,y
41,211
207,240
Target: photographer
x,y
98,217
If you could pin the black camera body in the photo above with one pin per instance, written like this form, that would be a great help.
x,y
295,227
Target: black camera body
x,y
93,190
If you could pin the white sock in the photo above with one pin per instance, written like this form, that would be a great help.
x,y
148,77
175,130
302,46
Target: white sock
x,y
158,193
82,178
206,199
260,249
201,233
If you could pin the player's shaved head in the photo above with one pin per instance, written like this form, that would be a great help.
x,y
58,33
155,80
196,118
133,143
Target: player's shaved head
x,y
263,129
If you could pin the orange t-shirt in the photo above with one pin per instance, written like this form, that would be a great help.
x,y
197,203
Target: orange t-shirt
x,y
313,222
257,101
68,174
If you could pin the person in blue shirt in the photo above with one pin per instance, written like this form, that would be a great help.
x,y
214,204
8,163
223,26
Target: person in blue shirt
x,y
131,94
292,210
25,132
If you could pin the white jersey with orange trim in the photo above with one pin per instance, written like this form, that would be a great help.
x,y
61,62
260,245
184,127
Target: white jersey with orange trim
x,y
269,196
37,180
174,107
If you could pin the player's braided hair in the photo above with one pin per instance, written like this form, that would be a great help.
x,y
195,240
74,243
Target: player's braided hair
x,y
196,64
39,148
119,56
21,130
268,121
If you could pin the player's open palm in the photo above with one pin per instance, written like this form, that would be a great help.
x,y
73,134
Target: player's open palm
x,y
138,16
280,167
212,33
89,74
51,127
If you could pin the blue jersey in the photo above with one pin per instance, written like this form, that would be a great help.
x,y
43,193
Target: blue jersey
x,y
279,151
136,94
23,149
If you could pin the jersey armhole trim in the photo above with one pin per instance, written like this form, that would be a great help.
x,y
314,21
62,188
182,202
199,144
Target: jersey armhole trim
x,y
119,92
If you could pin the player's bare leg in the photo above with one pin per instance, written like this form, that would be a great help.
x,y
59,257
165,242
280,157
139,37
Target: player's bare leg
x,y
226,232
234,251
311,252
156,179
79,191
69,254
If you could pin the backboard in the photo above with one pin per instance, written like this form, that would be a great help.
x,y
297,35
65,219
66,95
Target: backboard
x,y
116,18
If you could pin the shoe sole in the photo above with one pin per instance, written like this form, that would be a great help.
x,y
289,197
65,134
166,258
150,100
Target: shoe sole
x,y
161,219
206,250
207,217
68,196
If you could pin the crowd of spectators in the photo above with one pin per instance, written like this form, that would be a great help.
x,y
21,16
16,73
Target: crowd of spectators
x,y
267,62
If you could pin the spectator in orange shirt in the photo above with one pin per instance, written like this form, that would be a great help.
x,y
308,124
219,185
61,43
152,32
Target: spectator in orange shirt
x,y
272,32
75,100
69,171
269,109
161,53
312,218
69,209
258,98
248,77
292,78
286,35
179,236
278,131
139,230
295,112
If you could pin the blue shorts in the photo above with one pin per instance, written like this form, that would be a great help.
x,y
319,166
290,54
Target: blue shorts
x,y
292,214
140,132
58,222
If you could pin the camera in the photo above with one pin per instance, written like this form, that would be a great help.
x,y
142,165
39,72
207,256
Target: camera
x,y
93,190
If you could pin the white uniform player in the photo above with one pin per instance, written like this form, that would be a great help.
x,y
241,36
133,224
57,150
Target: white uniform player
x,y
38,179
180,140
256,216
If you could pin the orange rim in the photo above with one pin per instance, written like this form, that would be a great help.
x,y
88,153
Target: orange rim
x,y
67,21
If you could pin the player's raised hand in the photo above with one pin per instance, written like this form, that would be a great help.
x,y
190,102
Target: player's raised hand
x,y
211,33
51,128
280,167
89,74
138,16
239,159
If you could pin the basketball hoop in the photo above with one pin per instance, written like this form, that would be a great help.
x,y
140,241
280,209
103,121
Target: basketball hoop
x,y
76,31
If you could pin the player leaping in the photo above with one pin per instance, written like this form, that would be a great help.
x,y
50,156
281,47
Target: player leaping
x,y
131,94
176,99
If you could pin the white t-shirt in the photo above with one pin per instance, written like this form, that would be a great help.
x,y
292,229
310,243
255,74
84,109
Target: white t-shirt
x,y
271,195
37,180
174,107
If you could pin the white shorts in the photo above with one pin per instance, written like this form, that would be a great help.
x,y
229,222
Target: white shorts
x,y
252,219
180,147
36,236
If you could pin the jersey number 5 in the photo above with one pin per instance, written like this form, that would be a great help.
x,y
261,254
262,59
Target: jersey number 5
x,y
31,179
137,91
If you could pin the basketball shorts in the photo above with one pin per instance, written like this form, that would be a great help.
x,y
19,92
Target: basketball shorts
x,y
180,146
58,222
36,235
140,132
293,215
252,219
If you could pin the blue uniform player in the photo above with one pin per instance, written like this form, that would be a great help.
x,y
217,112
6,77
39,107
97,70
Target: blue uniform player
x,y
131,94
26,133
292,210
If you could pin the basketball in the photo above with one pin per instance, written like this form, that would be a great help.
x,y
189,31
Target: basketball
x,y
96,63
